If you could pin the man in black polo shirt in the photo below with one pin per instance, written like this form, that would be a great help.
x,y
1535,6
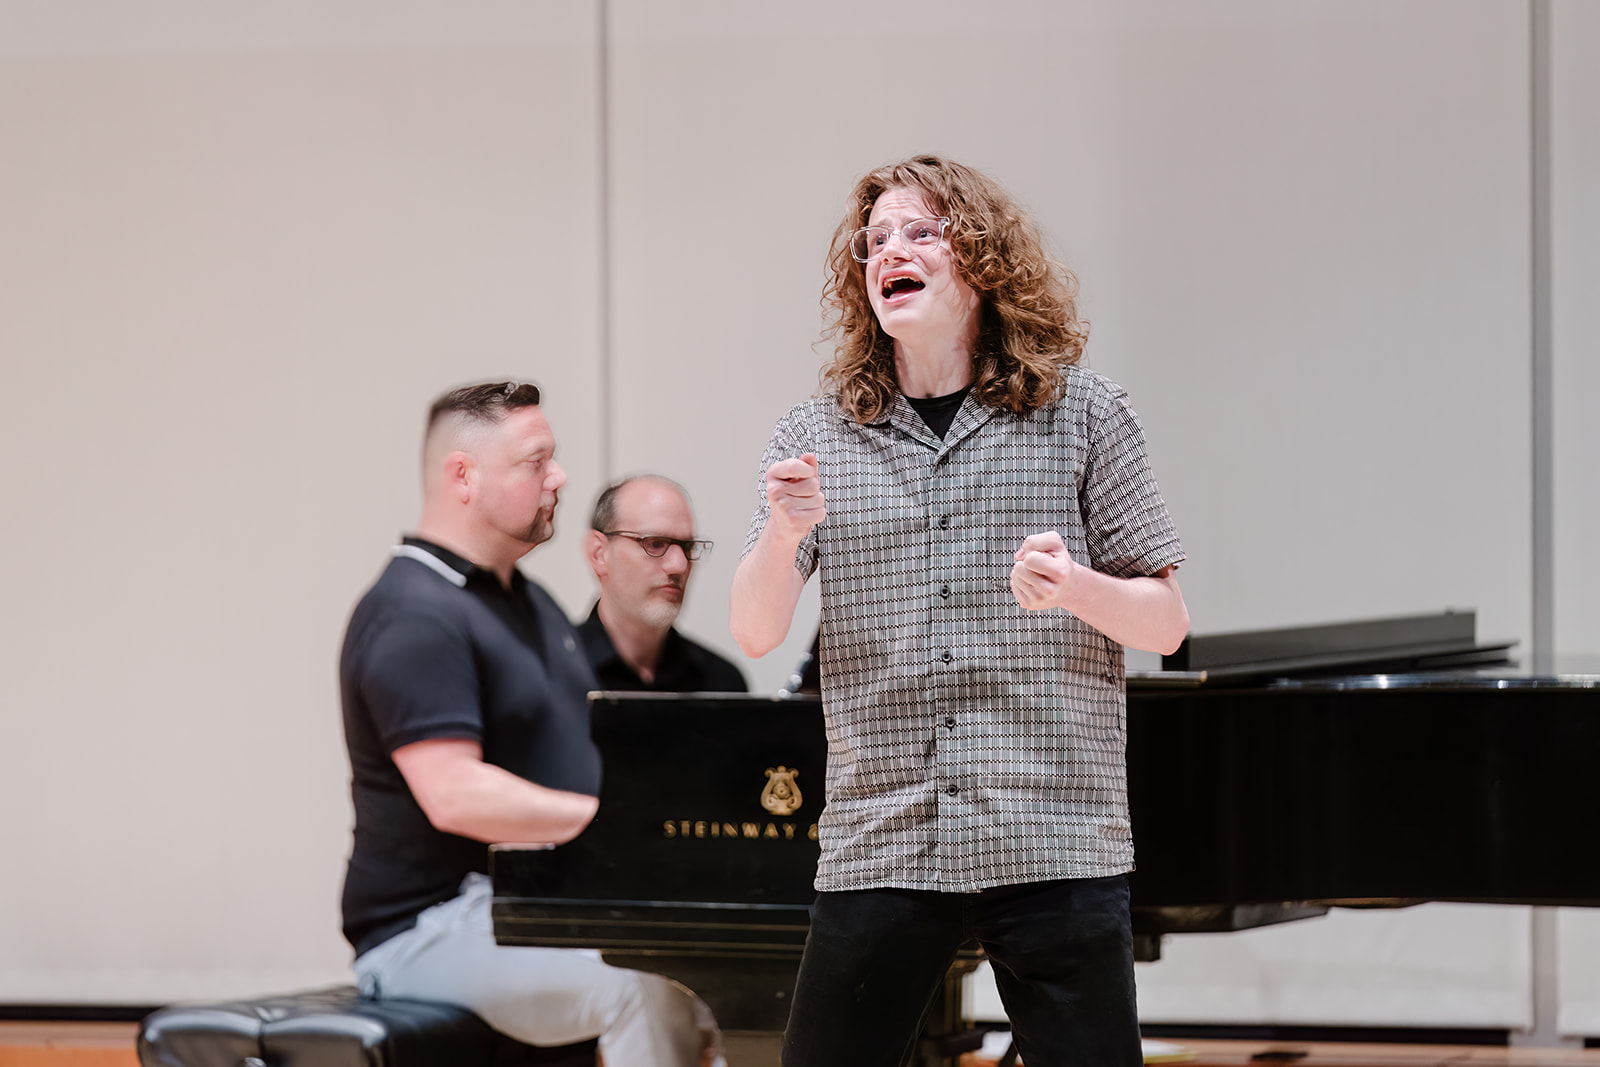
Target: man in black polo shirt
x,y
464,711
641,546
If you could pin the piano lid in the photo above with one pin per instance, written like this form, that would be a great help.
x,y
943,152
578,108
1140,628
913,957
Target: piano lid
x,y
1392,645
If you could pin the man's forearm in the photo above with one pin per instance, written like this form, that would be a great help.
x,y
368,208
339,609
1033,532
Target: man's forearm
x,y
766,590
490,804
1147,613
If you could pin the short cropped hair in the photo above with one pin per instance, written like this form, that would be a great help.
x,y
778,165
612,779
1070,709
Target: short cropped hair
x,y
1029,330
486,402
604,515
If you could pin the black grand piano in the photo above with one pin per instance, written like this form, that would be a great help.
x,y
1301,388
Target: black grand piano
x,y
1272,775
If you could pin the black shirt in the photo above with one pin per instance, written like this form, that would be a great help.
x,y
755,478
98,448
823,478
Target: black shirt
x,y
939,411
685,666
438,648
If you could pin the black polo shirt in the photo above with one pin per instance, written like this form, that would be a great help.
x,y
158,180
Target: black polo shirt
x,y
438,648
686,666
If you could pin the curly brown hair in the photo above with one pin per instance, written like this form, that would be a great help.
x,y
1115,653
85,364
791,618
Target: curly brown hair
x,y
1029,331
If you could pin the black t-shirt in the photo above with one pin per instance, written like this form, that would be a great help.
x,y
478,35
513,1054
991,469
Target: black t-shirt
x,y
438,648
939,411
686,666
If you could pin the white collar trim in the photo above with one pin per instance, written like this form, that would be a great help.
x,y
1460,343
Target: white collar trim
x,y
432,562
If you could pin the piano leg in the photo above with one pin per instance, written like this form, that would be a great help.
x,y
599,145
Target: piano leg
x,y
750,999
945,1033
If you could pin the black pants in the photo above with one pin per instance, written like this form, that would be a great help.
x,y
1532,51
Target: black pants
x,y
1062,954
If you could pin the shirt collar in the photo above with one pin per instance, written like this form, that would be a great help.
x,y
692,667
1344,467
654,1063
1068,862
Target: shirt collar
x,y
595,639
603,651
452,568
903,417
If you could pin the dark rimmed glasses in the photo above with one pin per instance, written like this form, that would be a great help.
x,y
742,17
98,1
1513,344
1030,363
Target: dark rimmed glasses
x,y
655,545
869,242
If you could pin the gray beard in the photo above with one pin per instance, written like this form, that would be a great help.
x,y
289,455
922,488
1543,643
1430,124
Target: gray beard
x,y
658,614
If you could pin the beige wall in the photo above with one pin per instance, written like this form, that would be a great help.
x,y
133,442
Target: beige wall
x,y
234,272
1575,150
243,247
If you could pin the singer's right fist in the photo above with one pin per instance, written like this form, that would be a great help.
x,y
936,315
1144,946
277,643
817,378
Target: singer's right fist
x,y
794,494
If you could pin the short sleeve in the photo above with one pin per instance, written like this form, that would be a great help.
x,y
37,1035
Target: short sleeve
x,y
789,439
1129,532
419,681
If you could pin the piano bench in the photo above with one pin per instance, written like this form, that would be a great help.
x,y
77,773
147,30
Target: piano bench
x,y
338,1028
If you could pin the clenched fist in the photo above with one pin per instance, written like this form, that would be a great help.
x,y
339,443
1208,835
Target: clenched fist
x,y
794,495
1042,575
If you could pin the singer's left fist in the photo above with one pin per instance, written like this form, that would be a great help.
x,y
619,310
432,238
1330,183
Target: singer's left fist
x,y
1042,575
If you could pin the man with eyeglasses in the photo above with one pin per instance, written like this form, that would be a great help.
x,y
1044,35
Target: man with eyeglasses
x,y
988,535
641,547
465,711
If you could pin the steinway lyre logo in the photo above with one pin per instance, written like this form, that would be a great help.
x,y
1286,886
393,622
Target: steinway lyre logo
x,y
781,796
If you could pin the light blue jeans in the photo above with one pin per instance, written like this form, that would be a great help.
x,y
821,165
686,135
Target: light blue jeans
x,y
540,996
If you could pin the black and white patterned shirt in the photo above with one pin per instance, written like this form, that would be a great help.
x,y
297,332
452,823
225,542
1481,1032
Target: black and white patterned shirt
x,y
972,743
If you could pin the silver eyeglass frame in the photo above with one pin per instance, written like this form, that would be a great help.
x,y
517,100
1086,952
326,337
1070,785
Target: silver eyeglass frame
x,y
857,236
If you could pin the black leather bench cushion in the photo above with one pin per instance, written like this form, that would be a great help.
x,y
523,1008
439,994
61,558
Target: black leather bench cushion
x,y
337,1028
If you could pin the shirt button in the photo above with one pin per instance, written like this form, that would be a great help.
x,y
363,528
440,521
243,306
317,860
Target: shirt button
x,y
951,791
947,657
950,721
944,590
944,522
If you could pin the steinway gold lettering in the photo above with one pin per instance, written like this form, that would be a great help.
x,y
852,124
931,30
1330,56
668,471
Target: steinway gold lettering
x,y
753,831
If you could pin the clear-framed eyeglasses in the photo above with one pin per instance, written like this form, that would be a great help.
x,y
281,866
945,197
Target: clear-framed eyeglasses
x,y
655,545
869,242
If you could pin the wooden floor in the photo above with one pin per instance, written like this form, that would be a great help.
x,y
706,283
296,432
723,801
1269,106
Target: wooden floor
x,y
112,1045
1344,1054
1339,1054
68,1044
